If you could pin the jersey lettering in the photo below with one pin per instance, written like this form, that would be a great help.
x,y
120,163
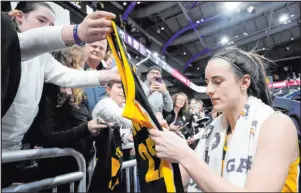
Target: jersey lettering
x,y
244,165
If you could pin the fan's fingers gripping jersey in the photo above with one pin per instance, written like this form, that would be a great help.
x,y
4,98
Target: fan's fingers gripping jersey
x,y
155,175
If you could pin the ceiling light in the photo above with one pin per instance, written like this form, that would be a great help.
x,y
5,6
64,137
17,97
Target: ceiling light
x,y
245,33
231,5
138,2
197,21
202,20
224,40
184,53
162,28
251,9
158,31
198,68
124,3
287,48
292,38
263,48
77,4
236,36
232,42
283,18
289,21
292,15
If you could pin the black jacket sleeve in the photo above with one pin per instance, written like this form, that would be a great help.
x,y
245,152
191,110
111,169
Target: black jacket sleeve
x,y
50,129
10,63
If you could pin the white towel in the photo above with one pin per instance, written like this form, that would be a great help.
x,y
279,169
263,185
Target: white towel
x,y
241,148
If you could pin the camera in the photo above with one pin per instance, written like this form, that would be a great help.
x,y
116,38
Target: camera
x,y
158,79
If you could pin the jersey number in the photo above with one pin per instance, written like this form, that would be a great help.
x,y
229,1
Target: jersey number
x,y
147,152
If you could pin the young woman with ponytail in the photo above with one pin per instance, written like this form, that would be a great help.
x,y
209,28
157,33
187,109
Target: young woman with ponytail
x,y
249,147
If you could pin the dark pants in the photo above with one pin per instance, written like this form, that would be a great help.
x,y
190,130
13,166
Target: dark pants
x,y
14,172
10,174
49,168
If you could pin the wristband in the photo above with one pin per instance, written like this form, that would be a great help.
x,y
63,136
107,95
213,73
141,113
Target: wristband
x,y
76,38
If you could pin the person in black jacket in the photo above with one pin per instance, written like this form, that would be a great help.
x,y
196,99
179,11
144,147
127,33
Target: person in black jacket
x,y
10,79
179,119
10,62
64,121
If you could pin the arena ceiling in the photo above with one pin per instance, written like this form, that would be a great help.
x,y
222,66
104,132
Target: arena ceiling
x,y
188,33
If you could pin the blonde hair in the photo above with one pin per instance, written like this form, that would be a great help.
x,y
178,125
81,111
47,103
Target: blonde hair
x,y
72,57
108,55
174,99
200,102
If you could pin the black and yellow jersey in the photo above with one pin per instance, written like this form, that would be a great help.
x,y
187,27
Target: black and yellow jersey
x,y
155,175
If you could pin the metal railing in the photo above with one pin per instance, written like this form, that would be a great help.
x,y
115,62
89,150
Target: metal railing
x,y
128,165
130,168
32,154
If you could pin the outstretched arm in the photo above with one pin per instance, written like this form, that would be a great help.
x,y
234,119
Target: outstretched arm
x,y
33,42
47,39
63,76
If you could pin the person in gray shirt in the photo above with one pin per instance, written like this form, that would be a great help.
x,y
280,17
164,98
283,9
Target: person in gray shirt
x,y
156,91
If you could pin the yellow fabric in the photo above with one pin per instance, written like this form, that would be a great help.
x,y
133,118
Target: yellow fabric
x,y
224,151
117,182
119,153
168,176
140,118
292,180
127,79
110,184
115,166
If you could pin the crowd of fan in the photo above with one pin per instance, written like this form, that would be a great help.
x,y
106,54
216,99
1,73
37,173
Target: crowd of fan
x,y
59,102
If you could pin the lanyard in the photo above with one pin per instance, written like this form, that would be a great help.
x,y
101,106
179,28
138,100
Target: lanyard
x,y
225,148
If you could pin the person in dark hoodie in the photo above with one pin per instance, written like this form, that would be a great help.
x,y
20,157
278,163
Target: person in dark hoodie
x,y
64,121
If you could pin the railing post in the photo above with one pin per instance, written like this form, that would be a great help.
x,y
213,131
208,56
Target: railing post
x,y
135,178
127,165
128,182
24,155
